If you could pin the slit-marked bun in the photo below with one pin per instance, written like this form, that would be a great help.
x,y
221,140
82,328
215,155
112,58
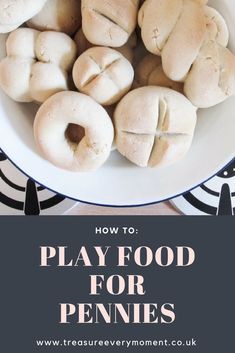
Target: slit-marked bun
x,y
109,23
154,126
127,50
104,74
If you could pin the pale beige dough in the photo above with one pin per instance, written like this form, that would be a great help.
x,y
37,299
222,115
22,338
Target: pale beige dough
x,y
104,74
13,13
154,126
176,30
58,15
41,61
126,50
110,22
149,72
217,28
212,77
52,121
166,24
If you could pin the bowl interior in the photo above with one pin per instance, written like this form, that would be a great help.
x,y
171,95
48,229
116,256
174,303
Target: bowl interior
x,y
118,182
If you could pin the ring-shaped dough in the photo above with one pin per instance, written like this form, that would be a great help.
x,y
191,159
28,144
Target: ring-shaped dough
x,y
52,121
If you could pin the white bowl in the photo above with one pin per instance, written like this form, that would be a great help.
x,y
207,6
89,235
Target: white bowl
x,y
118,182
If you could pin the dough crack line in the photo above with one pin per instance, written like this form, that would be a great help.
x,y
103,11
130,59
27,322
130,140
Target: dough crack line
x,y
157,134
164,43
102,71
110,20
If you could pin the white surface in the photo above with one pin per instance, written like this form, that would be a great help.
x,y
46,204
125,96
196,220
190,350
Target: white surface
x,y
119,182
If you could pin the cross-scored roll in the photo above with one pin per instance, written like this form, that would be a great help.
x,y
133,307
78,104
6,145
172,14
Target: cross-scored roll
x,y
109,23
104,74
154,126
126,50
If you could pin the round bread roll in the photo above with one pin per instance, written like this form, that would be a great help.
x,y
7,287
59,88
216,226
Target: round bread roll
x,y
58,15
211,79
149,72
154,126
109,23
126,50
88,146
41,62
104,74
14,13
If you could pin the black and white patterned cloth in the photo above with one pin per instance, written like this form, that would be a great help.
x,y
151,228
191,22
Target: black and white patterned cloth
x,y
20,195
215,197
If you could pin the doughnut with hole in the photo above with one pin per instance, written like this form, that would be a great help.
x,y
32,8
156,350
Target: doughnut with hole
x,y
89,146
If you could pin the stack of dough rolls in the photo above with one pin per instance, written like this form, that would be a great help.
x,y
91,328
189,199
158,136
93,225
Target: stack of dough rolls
x,y
77,58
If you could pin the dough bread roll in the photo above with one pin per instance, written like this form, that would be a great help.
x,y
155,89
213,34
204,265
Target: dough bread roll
x,y
212,77
127,50
41,62
58,15
109,23
176,30
154,126
149,72
104,74
13,13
